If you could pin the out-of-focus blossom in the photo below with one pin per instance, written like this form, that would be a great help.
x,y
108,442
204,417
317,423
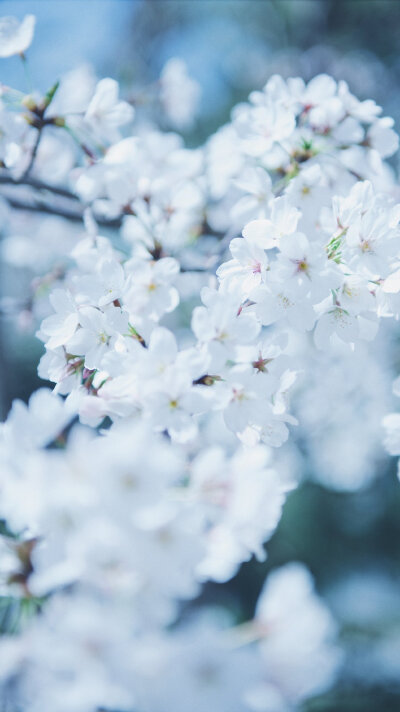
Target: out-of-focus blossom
x,y
16,36
180,94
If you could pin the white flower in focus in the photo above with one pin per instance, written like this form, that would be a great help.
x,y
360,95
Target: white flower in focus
x,y
103,287
174,401
260,126
222,324
16,36
307,190
149,288
248,266
54,367
304,268
98,334
283,220
61,326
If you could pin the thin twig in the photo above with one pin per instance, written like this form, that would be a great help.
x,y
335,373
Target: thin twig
x,y
33,154
63,212
7,179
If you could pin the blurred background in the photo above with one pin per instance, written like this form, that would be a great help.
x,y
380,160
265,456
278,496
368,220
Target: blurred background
x,y
344,525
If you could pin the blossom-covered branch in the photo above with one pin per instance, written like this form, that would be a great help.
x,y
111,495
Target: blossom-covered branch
x,y
151,468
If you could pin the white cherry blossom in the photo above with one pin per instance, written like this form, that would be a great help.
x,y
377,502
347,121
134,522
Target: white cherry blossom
x,y
15,36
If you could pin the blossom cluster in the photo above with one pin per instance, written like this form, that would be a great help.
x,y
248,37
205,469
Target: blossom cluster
x,y
174,345
112,533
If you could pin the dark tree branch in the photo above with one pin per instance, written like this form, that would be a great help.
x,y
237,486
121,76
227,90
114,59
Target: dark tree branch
x,y
67,205
33,154
73,214
7,179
